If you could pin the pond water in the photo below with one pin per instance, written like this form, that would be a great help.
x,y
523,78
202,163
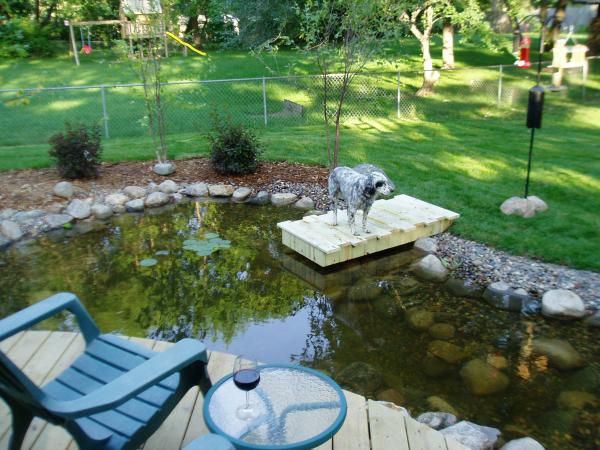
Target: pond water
x,y
146,275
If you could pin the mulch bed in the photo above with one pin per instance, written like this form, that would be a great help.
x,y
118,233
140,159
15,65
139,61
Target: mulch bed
x,y
32,188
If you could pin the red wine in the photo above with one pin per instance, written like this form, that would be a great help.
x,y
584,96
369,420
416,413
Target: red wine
x,y
246,379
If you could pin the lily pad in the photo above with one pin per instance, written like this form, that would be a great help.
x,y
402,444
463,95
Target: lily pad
x,y
207,246
148,262
162,253
204,252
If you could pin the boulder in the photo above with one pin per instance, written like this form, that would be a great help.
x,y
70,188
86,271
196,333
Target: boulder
x,y
241,194
593,320
11,230
560,353
166,168
177,197
196,190
100,211
562,304
54,221
437,420
262,198
284,198
426,245
392,395
156,199
439,404
525,443
360,377
442,331
468,435
498,361
79,209
463,288
446,351
168,187
483,379
4,243
419,319
518,206
117,202
28,217
305,203
538,204
221,190
7,213
134,192
576,399
430,268
434,367
136,205
63,189
55,208
502,296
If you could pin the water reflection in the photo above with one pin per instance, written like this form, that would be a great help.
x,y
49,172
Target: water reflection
x,y
259,299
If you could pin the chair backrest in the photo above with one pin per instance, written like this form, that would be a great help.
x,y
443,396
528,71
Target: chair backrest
x,y
17,387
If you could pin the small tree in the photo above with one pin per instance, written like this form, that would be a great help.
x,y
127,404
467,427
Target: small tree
x,y
341,36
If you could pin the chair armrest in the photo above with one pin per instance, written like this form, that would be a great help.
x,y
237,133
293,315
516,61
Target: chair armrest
x,y
138,379
37,312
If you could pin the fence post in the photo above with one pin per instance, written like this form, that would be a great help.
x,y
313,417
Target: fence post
x,y
264,85
398,97
499,101
104,114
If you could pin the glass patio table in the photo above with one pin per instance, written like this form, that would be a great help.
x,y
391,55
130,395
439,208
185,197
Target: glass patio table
x,y
296,408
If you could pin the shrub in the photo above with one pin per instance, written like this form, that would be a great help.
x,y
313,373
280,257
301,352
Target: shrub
x,y
21,37
234,149
77,151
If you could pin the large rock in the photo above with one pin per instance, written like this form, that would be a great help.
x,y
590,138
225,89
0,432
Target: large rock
x,y
392,396
241,194
430,268
443,331
469,435
168,187
305,203
447,351
419,319
560,353
117,202
525,443
593,320
4,243
156,199
538,204
63,189
426,245
483,379
54,221
283,198
196,190
11,230
79,209
221,190
502,296
435,367
134,192
360,377
262,198
463,288
576,399
518,206
100,211
136,205
28,217
166,168
437,420
7,213
562,304
439,404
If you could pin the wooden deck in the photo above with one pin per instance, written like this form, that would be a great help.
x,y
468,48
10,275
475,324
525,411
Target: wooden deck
x,y
393,222
43,354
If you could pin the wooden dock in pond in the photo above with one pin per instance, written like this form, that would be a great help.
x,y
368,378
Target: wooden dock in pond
x,y
393,222
42,355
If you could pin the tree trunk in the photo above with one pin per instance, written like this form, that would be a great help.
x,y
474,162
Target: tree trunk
x,y
516,41
193,28
430,76
448,44
37,11
559,16
593,42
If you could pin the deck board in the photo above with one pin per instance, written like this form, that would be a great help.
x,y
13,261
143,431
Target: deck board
x,y
392,222
369,425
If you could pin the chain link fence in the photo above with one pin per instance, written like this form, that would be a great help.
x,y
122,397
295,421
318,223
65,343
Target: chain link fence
x,y
29,116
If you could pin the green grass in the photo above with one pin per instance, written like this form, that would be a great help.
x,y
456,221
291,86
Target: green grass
x,y
456,148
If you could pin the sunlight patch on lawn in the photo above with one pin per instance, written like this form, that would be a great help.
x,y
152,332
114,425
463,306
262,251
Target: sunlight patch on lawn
x,y
62,105
569,179
478,168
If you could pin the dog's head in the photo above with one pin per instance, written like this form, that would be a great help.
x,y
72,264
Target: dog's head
x,y
377,184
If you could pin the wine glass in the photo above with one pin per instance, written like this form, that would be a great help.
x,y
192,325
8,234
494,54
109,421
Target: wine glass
x,y
246,377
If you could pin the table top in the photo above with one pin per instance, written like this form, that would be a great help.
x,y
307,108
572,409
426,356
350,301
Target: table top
x,y
298,408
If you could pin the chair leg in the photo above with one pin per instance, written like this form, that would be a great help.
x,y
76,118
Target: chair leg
x,y
21,419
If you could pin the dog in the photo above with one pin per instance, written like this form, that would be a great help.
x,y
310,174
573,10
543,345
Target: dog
x,y
359,190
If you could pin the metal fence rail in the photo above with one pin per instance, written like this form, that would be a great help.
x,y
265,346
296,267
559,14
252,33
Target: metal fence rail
x,y
32,115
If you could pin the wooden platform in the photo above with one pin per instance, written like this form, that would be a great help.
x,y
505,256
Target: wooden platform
x,y
42,355
393,222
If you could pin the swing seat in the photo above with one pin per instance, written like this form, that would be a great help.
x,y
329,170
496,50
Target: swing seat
x,y
87,49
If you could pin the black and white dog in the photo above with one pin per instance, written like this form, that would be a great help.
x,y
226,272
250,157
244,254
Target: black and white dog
x,y
359,190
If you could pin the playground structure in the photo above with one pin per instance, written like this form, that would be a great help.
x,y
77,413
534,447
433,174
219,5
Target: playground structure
x,y
567,57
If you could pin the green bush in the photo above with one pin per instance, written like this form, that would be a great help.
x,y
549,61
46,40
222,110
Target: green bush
x,y
77,151
234,149
21,37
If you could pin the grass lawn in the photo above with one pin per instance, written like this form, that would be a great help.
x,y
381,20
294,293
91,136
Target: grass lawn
x,y
460,152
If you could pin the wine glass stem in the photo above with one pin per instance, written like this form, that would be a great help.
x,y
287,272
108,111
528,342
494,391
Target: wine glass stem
x,y
247,399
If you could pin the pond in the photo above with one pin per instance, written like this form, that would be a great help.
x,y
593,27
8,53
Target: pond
x,y
218,272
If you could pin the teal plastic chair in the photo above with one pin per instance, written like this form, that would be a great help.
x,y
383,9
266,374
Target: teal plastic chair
x,y
113,396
